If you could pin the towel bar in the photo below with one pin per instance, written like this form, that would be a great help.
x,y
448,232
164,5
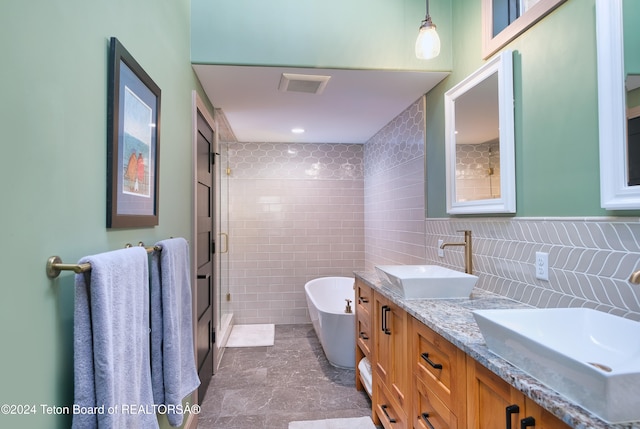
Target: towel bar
x,y
55,264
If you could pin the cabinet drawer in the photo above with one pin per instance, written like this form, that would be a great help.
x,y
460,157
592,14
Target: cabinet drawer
x,y
430,412
390,413
363,332
435,361
364,297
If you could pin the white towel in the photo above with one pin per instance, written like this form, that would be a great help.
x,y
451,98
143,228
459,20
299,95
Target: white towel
x,y
365,375
111,343
173,365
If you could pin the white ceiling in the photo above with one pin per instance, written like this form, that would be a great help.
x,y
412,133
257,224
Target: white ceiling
x,y
354,106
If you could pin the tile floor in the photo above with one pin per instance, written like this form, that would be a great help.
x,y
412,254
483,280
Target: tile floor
x,y
268,387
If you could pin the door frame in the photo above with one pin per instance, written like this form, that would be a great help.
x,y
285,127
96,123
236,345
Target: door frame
x,y
198,106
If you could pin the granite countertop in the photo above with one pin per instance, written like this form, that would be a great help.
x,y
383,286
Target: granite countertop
x,y
453,320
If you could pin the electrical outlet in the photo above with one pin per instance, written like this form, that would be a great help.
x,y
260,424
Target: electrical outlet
x,y
440,249
542,266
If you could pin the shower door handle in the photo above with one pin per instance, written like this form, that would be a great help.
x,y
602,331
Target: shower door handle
x,y
226,241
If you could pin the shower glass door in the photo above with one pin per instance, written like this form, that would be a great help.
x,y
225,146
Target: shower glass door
x,y
225,314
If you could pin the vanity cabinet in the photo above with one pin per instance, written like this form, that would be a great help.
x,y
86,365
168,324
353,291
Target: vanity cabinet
x,y
439,380
493,404
390,363
423,381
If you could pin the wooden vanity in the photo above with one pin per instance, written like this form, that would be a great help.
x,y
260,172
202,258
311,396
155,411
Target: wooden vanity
x,y
421,380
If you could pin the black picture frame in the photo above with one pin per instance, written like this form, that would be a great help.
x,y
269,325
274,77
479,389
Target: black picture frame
x,y
133,142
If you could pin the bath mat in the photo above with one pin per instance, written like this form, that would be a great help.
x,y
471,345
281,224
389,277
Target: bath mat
x,y
353,423
251,336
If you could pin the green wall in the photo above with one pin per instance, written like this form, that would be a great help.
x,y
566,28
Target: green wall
x,y
354,34
556,116
53,171
630,18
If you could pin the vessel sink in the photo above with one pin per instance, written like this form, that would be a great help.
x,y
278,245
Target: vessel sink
x,y
591,357
427,281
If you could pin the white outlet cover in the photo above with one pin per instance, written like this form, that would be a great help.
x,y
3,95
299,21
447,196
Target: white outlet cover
x,y
542,266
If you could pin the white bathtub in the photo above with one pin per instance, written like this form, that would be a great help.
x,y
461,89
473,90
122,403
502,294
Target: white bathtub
x,y
336,329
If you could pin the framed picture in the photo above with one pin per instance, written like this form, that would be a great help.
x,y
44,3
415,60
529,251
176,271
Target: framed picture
x,y
133,142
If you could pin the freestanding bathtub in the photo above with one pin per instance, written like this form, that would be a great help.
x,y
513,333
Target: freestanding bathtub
x,y
326,299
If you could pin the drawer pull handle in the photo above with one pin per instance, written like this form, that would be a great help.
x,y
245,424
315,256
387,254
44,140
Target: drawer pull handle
x,y
511,409
384,410
425,417
425,356
385,311
527,422
364,336
363,300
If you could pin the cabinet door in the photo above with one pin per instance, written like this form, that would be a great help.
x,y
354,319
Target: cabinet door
x,y
429,412
439,377
544,419
390,343
364,335
494,404
491,402
389,413
364,298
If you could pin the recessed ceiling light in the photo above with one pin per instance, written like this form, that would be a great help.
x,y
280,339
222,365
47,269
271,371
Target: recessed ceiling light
x,y
297,130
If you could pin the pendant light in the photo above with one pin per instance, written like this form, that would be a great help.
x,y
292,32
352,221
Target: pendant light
x,y
428,41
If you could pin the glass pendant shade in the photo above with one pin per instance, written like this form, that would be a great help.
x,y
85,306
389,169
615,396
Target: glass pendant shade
x,y
428,41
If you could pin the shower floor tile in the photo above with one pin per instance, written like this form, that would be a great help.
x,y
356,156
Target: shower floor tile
x,y
268,387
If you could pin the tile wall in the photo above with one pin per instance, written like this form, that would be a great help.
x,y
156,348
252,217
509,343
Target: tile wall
x,y
300,211
394,191
296,213
590,259
477,171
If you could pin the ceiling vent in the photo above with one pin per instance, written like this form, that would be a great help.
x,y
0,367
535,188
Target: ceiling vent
x,y
311,84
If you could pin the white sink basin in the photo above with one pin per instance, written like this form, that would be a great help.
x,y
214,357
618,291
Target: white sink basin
x,y
427,281
591,357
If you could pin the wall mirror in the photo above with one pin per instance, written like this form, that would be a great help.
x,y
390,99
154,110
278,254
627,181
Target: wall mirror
x,y
618,110
504,20
479,140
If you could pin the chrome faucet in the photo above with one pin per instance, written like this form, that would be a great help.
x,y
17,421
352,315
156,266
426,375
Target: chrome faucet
x,y
468,259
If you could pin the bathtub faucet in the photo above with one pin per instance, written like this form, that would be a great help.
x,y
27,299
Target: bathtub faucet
x,y
348,307
468,255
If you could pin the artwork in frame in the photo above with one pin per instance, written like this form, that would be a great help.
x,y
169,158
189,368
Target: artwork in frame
x,y
133,142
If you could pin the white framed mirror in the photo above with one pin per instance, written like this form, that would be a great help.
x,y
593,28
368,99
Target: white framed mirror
x,y
479,140
616,192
